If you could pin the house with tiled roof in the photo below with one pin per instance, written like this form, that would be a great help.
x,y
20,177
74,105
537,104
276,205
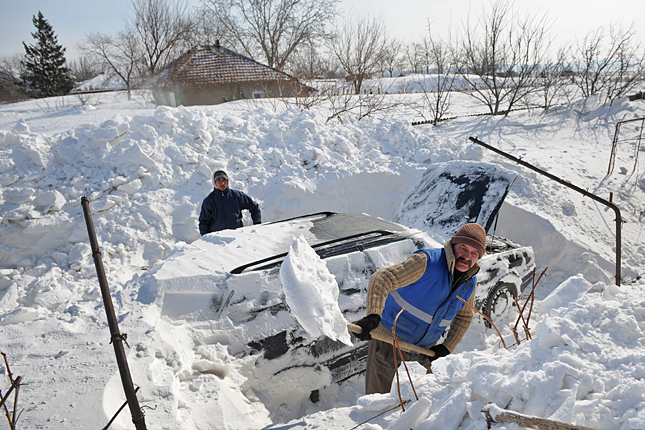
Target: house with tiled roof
x,y
212,74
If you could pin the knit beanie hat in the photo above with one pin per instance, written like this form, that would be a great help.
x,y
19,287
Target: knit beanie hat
x,y
471,234
219,174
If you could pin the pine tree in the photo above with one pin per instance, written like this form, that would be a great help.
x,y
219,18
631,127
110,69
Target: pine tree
x,y
46,74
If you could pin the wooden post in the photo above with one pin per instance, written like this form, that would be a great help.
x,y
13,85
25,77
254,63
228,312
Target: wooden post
x,y
494,414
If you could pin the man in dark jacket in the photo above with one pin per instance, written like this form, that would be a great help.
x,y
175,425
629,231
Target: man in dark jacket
x,y
222,208
426,286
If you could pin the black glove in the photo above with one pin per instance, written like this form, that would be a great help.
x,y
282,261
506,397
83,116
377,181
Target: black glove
x,y
367,323
439,351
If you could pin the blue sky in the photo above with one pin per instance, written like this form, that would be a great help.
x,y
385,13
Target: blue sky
x,y
407,19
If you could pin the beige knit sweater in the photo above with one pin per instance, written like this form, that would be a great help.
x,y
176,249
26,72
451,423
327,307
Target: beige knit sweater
x,y
407,272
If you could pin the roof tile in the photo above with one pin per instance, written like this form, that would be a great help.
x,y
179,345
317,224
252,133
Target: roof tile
x,y
210,65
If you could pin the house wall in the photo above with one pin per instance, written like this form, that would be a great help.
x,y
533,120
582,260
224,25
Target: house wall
x,y
216,94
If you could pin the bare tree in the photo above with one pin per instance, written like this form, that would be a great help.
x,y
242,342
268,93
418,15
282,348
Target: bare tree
x,y
121,55
499,57
612,67
480,60
593,62
439,53
554,78
312,62
84,68
163,28
528,48
274,29
438,87
392,59
426,54
157,32
628,71
11,68
432,55
358,106
359,48
414,57
207,30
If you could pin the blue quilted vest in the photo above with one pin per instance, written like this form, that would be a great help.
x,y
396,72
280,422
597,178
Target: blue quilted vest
x,y
429,305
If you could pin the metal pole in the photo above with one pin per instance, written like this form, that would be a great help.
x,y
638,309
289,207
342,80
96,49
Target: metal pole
x,y
614,145
116,337
614,148
638,145
619,220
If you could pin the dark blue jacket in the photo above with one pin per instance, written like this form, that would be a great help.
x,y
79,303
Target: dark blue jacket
x,y
222,210
429,303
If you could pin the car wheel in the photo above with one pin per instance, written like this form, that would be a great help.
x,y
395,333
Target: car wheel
x,y
500,301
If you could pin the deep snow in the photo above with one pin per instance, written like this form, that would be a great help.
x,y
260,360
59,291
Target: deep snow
x,y
146,171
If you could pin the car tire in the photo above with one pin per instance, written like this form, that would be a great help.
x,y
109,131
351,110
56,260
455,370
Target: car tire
x,y
500,301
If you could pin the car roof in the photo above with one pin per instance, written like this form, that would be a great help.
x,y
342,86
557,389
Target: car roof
x,y
331,225
332,233
448,195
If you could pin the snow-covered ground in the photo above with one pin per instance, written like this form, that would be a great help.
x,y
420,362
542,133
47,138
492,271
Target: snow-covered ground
x,y
146,170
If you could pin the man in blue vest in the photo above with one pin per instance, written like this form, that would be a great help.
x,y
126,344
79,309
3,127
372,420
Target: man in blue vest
x,y
426,284
222,208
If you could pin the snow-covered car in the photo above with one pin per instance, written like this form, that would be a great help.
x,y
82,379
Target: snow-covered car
x,y
227,286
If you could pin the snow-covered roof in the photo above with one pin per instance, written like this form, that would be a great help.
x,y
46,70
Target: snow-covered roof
x,y
214,64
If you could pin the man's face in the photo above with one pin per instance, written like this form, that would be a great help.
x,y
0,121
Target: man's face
x,y
465,256
221,184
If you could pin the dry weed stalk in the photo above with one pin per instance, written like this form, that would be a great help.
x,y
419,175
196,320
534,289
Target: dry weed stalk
x,y
395,345
531,298
524,324
12,417
487,319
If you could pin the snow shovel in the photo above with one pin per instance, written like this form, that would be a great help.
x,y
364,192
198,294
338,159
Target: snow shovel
x,y
388,338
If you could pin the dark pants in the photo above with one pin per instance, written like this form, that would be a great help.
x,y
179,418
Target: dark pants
x,y
380,366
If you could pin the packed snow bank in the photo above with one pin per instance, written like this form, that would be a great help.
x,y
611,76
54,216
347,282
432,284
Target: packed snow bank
x,y
552,249
146,175
583,366
146,171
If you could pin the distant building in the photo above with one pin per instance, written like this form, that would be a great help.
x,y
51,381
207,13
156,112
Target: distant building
x,y
207,75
